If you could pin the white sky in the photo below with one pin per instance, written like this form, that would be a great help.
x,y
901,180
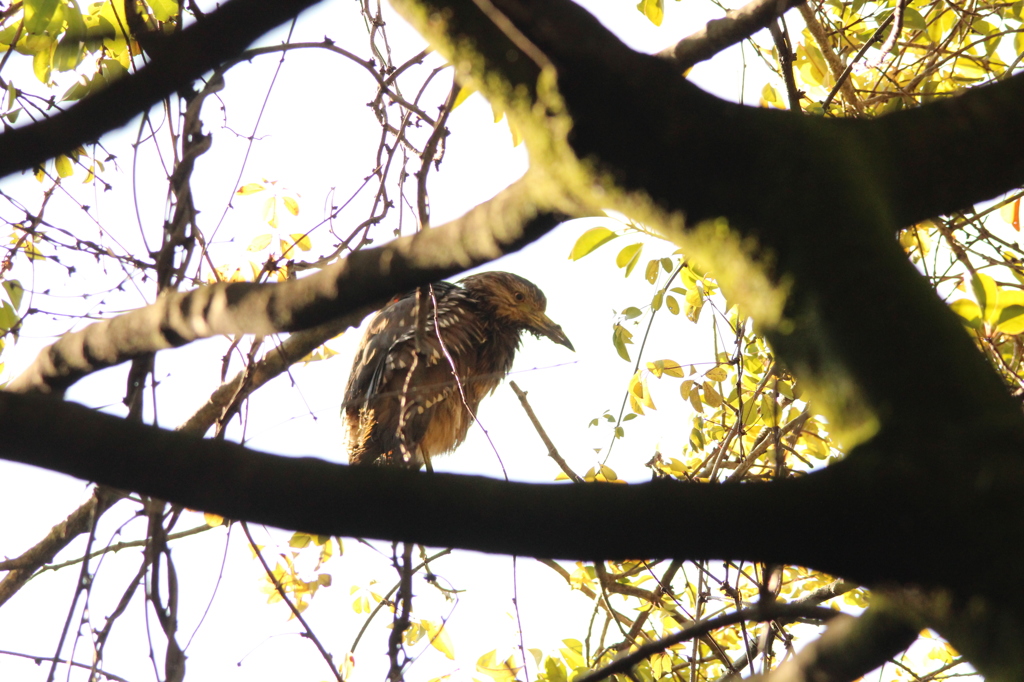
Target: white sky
x,y
313,137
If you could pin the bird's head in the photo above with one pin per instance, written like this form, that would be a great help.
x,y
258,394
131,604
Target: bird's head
x,y
516,301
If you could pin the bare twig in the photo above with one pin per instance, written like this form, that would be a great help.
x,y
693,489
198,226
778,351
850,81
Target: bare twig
x,y
552,450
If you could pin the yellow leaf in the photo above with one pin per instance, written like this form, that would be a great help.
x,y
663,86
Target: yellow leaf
x,y
968,311
292,205
259,243
695,401
300,540
64,167
711,396
213,520
769,410
638,388
628,257
270,212
499,671
251,188
653,10
717,373
439,638
590,241
671,368
302,241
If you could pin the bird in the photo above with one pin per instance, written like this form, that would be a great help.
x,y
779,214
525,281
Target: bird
x,y
402,407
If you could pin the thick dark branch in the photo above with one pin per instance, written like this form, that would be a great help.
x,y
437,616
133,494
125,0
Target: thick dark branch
x,y
344,292
175,62
821,199
378,502
718,34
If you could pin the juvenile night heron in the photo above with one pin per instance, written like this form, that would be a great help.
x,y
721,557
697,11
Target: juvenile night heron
x,y
404,407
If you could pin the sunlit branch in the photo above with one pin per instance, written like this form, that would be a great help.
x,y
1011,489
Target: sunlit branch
x,y
344,292
718,34
849,649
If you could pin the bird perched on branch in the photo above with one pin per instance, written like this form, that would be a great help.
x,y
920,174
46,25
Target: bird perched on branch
x,y
403,406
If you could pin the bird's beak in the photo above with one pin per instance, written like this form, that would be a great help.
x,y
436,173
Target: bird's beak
x,y
545,326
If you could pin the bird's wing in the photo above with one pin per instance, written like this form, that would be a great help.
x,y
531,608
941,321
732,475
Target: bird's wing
x,y
380,385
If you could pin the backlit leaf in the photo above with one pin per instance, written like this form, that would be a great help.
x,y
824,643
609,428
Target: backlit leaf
x,y
439,638
651,275
64,167
259,243
251,188
653,10
620,337
717,373
302,242
628,257
711,396
14,291
968,311
591,240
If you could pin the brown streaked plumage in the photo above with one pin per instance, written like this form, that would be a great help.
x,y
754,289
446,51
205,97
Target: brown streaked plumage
x,y
481,320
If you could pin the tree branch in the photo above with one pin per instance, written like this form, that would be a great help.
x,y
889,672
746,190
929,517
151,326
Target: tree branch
x,y
315,496
737,25
175,62
849,649
344,292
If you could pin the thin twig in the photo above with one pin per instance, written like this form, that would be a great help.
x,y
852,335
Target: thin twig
x,y
552,450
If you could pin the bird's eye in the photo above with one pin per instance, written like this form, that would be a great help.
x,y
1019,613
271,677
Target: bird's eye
x,y
519,296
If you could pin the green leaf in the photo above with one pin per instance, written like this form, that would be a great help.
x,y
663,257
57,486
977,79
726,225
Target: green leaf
x,y
300,540
41,62
673,304
652,271
1011,319
163,10
620,337
590,240
631,312
8,316
14,292
653,10
38,14
629,256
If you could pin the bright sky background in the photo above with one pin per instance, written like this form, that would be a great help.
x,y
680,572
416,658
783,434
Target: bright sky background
x,y
313,139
